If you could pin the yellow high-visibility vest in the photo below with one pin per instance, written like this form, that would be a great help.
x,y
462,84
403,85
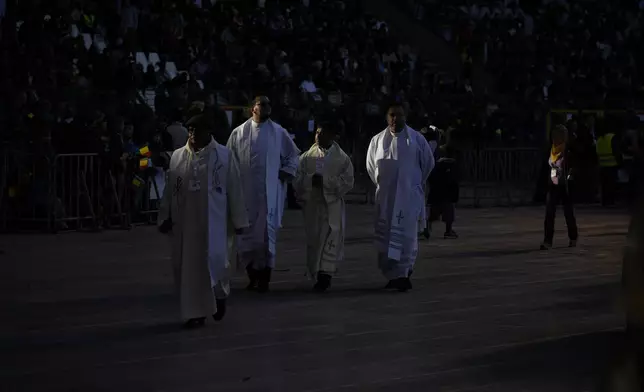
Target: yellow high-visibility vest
x,y
89,20
605,150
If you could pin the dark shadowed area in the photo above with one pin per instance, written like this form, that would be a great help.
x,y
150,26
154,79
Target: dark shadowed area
x,y
489,312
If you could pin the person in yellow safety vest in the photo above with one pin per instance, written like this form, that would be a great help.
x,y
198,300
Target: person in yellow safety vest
x,y
609,161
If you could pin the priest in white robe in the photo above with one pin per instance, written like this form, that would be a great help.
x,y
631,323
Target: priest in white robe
x,y
268,159
203,208
399,161
324,177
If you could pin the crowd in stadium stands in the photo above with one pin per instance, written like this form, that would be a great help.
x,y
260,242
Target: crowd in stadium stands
x,y
109,77
561,53
73,73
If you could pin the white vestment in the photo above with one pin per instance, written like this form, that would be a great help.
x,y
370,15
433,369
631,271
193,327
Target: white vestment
x,y
324,208
262,150
203,198
399,165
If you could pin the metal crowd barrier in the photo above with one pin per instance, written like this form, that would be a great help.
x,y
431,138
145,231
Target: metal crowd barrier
x,y
500,176
25,190
146,196
506,176
78,183
363,189
73,192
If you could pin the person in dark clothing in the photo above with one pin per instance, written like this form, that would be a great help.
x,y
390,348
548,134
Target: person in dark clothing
x,y
582,145
444,191
432,135
558,190
113,163
610,160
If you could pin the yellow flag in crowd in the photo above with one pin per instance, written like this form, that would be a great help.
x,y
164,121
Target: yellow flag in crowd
x,y
137,181
145,151
144,163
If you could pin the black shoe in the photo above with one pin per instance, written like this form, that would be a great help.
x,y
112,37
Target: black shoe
x,y
450,235
545,246
572,244
264,280
403,284
221,310
323,283
391,285
252,278
195,323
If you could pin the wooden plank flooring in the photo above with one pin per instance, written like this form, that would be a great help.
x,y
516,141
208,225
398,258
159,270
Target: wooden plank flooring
x,y
489,312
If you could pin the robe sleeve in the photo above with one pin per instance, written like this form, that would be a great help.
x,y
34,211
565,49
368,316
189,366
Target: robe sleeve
x,y
289,155
425,158
237,213
343,183
301,178
371,160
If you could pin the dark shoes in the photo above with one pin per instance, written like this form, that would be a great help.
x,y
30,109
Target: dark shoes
x,y
253,278
323,282
451,235
548,245
400,284
221,310
195,323
264,280
199,322
258,280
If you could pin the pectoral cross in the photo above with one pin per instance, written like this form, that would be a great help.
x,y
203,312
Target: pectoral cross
x,y
400,216
331,245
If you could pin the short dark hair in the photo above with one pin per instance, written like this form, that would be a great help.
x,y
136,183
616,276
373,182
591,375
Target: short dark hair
x,y
329,126
259,98
177,115
394,104
200,122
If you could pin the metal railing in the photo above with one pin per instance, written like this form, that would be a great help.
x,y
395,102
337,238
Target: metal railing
x,y
73,191
78,180
507,176
79,192
26,198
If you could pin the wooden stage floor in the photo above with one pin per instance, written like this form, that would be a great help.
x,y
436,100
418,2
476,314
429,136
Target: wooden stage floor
x,y
489,312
